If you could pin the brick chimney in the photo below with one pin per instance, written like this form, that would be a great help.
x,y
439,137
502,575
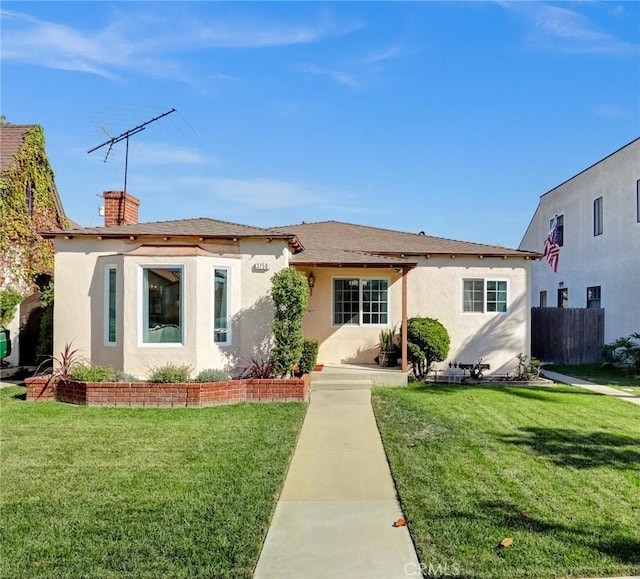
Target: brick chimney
x,y
120,208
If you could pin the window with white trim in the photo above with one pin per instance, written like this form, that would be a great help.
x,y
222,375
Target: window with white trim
x,y
484,296
360,301
221,330
110,305
162,291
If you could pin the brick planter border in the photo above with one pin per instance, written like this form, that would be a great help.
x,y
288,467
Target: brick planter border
x,y
155,395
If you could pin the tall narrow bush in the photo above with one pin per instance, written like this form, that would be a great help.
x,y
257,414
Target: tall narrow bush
x,y
290,295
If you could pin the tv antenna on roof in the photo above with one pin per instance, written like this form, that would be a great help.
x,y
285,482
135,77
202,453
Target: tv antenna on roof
x,y
125,137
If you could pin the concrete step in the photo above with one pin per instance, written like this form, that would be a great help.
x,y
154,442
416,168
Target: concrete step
x,y
339,384
377,378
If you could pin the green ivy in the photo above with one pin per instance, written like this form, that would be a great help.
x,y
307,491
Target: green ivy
x,y
22,250
9,301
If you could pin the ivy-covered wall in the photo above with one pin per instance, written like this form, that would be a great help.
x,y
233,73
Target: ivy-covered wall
x,y
23,253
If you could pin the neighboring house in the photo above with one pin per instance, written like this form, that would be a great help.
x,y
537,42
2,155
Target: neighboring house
x,y
598,213
29,202
196,291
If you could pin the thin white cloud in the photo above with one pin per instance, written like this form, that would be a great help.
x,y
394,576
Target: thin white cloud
x,y
336,76
383,55
563,29
165,154
266,193
145,42
609,111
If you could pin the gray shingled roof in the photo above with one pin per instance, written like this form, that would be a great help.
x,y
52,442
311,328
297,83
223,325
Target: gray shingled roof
x,y
198,227
345,257
11,139
334,237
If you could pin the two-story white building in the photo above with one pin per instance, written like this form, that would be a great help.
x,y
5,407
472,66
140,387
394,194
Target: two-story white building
x,y
598,212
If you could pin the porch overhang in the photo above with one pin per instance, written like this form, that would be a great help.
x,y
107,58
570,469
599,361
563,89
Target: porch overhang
x,y
333,259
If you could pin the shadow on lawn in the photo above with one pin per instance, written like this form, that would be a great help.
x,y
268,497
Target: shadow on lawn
x,y
577,449
543,393
506,514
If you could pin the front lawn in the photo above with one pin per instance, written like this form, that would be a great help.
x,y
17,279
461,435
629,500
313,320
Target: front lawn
x,y
556,469
114,492
616,378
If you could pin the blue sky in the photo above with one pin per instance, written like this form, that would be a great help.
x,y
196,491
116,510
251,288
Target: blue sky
x,y
446,117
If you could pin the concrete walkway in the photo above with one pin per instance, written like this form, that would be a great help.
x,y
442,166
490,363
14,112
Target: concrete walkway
x,y
600,389
338,505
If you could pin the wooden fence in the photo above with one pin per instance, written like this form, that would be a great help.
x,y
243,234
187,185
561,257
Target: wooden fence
x,y
567,335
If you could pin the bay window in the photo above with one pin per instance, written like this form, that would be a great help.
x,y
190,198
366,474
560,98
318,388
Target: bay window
x,y
162,294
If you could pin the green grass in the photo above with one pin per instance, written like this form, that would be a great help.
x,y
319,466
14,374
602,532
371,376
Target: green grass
x,y
622,379
469,461
114,492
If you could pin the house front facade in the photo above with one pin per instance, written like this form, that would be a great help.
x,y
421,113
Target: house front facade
x,y
196,291
598,216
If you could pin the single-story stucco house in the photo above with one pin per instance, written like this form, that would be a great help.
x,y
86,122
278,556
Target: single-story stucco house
x,y
196,291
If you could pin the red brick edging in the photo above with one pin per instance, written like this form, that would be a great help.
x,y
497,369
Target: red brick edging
x,y
150,394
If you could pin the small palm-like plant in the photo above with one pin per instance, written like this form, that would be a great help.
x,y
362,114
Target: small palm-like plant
x,y
60,367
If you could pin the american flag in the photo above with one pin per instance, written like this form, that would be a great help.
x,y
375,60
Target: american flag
x,y
551,248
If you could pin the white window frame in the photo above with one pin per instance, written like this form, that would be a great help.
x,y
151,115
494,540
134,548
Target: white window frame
x,y
213,305
141,342
360,323
485,290
107,286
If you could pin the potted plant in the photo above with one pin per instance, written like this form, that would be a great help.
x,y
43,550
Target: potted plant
x,y
388,355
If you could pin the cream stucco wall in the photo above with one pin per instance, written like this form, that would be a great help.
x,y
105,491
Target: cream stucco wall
x,y
351,344
610,260
79,312
434,290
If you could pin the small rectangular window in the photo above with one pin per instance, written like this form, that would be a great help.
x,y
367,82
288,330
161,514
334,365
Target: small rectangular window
x,y
543,299
597,216
162,305
374,301
346,301
496,296
473,295
221,306
560,228
28,193
563,297
593,297
638,200
110,305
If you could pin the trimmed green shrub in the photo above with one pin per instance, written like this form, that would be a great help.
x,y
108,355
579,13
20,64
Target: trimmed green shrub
x,y
89,373
170,373
427,342
212,375
624,353
309,356
290,295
